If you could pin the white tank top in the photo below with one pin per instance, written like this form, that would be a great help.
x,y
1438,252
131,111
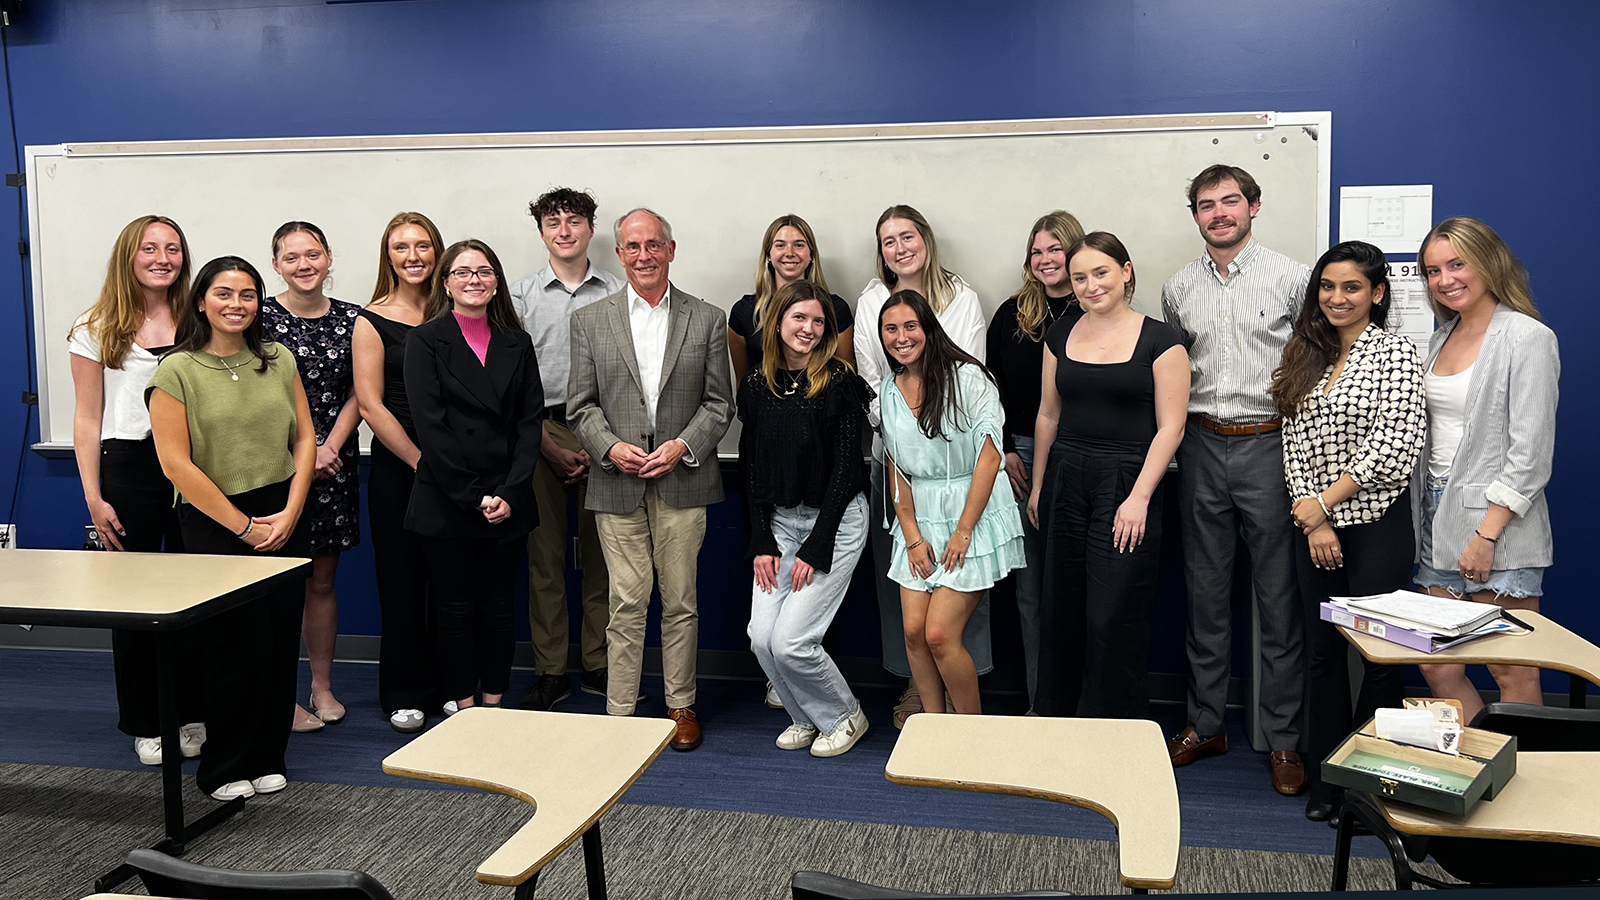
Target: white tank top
x,y
1447,416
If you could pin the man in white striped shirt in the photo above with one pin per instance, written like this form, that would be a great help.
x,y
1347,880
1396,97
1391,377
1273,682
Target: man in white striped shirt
x,y
1236,307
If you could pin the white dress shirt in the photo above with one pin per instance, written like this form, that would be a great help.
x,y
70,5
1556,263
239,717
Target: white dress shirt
x,y
651,326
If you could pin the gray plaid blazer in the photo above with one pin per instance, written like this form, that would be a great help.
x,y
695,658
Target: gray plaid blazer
x,y
605,400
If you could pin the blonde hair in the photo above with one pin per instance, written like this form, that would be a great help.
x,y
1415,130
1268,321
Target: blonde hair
x,y
387,280
938,283
1033,305
119,312
767,278
1481,248
821,355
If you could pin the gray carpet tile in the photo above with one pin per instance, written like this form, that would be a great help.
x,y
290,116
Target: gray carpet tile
x,y
63,826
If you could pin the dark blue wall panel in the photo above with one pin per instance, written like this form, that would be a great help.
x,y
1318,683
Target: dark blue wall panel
x,y
1491,102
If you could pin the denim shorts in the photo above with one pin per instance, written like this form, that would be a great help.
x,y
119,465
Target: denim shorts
x,y
1518,583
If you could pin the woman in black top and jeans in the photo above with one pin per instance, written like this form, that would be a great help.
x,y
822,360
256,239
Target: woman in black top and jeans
x,y
803,413
1115,393
1015,357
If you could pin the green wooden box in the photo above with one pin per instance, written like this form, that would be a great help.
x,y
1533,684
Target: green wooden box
x,y
1427,778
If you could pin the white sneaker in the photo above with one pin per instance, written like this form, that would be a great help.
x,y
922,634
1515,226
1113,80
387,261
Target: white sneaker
x,y
797,737
269,784
406,721
450,708
149,750
234,789
773,700
190,737
843,738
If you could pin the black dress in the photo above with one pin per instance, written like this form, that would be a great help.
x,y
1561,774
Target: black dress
x,y
321,348
742,321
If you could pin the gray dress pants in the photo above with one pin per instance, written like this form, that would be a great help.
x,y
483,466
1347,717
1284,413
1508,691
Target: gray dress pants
x,y
1230,486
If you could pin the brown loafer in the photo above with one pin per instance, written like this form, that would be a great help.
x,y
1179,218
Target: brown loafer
x,y
688,736
1186,746
1288,775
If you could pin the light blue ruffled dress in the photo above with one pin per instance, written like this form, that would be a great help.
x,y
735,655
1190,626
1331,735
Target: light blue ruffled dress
x,y
940,473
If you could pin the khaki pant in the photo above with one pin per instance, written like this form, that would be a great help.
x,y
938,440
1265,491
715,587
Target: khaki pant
x,y
547,570
664,541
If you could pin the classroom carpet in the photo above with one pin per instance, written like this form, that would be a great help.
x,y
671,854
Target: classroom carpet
x,y
60,711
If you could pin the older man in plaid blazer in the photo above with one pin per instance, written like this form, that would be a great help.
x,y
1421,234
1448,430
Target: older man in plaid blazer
x,y
650,396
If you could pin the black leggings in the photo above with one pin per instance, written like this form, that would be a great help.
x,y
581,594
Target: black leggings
x,y
407,673
1378,558
472,580
131,481
250,654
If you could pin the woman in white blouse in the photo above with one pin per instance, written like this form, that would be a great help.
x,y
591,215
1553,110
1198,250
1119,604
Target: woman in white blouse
x,y
908,260
1350,394
115,347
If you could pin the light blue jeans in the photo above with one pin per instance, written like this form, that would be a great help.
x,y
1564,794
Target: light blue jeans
x,y
786,626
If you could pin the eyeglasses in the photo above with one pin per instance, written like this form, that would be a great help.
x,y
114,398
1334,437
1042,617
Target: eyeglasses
x,y
484,275
653,247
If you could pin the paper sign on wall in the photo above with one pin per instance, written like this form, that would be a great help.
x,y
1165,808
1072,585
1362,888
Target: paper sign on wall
x,y
1409,312
1394,217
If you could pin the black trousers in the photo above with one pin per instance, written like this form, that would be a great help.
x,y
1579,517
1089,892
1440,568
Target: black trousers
x,y
1378,558
250,655
472,580
131,481
1095,614
407,674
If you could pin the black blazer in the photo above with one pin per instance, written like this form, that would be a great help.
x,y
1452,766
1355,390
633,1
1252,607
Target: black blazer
x,y
478,427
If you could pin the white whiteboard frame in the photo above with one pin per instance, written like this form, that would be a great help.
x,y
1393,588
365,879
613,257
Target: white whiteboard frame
x,y
1317,123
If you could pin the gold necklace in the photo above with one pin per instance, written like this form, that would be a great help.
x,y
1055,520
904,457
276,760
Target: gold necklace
x,y
232,372
794,385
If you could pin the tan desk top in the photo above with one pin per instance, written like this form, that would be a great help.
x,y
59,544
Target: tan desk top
x,y
570,767
1553,797
1548,646
1116,767
82,587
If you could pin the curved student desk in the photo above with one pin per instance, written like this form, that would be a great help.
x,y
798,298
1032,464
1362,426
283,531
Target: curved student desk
x,y
161,593
1116,767
571,768
1548,646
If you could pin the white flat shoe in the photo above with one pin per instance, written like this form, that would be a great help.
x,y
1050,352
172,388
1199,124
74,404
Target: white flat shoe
x,y
407,721
269,784
190,739
149,750
797,737
450,708
234,789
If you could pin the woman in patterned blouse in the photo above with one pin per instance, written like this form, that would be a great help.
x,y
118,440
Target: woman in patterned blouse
x,y
1351,398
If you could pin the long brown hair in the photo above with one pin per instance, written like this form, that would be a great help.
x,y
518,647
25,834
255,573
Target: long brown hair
x,y
939,282
772,344
1315,343
387,280
1033,305
767,279
502,314
940,357
1481,248
194,329
119,312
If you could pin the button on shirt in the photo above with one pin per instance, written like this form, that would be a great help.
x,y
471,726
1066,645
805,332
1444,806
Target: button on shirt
x,y
545,306
1235,326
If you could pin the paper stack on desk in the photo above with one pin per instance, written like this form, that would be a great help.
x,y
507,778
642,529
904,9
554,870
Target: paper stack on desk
x,y
1418,621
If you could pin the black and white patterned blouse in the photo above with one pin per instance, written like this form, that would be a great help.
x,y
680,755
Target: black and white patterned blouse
x,y
1371,426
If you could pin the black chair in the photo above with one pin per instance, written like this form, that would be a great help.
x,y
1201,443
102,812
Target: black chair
x,y
822,886
1486,862
166,876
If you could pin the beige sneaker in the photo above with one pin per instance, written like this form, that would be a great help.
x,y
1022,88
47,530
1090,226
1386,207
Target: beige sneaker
x,y
910,704
843,738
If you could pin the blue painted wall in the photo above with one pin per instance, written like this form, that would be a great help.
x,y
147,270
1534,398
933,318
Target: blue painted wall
x,y
1481,99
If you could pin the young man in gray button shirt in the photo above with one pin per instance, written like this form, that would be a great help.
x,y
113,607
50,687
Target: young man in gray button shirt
x,y
1236,307
545,302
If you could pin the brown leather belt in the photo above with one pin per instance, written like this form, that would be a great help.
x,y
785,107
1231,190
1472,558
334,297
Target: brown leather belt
x,y
1266,427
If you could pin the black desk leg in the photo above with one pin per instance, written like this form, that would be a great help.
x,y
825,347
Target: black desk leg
x,y
1578,693
594,862
525,890
178,834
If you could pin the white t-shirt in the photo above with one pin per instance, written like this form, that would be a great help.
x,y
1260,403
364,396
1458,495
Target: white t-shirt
x,y
1447,416
123,413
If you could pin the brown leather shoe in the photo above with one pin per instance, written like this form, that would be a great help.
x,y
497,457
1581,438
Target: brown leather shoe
x,y
688,736
1186,746
1288,775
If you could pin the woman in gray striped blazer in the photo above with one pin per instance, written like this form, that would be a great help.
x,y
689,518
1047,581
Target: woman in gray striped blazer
x,y
1483,529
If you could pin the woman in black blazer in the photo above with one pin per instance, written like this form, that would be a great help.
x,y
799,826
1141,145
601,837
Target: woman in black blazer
x,y
478,404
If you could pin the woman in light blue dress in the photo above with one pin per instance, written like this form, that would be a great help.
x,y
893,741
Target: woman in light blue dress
x,y
957,528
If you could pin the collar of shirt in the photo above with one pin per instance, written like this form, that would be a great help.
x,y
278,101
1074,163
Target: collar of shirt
x,y
637,303
546,278
1240,263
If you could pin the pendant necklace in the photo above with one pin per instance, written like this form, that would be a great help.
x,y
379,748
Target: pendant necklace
x,y
794,385
231,373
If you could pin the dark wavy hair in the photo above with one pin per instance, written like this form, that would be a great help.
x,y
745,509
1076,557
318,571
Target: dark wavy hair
x,y
940,357
502,314
1315,343
563,200
194,329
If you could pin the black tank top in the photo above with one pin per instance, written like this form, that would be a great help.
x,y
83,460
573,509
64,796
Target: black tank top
x,y
1109,405
394,368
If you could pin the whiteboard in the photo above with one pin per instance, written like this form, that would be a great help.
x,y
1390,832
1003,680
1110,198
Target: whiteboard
x,y
980,184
